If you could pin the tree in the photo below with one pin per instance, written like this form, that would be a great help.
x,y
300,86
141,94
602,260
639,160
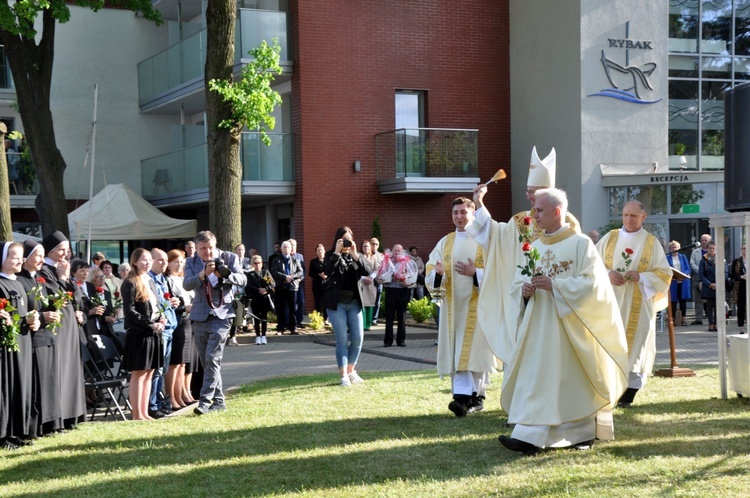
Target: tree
x,y
231,106
6,227
31,57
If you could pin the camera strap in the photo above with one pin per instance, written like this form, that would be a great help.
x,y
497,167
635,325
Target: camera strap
x,y
209,299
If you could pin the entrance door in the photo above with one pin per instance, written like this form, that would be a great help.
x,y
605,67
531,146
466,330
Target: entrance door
x,y
687,231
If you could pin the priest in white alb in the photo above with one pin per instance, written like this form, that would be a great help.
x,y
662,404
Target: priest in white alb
x,y
497,311
640,274
569,360
456,264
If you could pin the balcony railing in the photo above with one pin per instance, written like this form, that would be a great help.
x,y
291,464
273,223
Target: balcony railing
x,y
186,170
186,61
423,159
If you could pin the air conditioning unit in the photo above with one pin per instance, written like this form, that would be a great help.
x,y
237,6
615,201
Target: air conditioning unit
x,y
738,354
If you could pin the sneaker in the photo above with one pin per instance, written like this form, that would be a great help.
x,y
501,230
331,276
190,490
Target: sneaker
x,y
374,323
354,378
345,382
476,404
263,340
233,341
157,414
258,341
201,409
217,407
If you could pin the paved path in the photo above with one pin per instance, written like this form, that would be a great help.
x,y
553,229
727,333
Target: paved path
x,y
308,354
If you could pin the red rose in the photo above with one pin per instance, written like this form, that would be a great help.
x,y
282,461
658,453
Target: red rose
x,y
3,302
70,295
80,284
117,294
628,250
526,220
100,290
167,295
41,280
526,247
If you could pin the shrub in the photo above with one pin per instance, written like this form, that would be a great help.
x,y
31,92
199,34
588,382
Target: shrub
x,y
316,320
421,309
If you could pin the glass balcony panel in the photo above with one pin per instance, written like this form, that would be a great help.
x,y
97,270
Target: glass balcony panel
x,y
187,169
186,60
426,152
742,68
741,27
716,67
683,25
683,67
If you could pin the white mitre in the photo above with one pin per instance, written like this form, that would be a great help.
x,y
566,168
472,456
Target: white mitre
x,y
542,171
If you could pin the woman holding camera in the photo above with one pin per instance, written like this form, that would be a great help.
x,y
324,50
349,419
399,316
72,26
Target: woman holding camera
x,y
341,299
143,352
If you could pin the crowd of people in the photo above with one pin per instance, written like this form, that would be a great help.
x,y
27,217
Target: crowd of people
x,y
569,317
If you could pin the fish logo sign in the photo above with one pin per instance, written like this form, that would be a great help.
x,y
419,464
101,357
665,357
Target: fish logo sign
x,y
627,82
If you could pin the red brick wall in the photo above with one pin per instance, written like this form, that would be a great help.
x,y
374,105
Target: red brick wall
x,y
349,59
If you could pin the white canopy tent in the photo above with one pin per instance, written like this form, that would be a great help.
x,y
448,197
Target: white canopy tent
x,y
118,213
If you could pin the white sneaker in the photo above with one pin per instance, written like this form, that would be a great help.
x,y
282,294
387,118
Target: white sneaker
x,y
354,378
233,341
258,341
345,382
263,340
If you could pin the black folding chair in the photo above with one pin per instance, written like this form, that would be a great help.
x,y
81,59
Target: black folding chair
x,y
110,361
96,380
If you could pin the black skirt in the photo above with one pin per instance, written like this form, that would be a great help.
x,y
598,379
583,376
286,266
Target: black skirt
x,y
143,351
182,343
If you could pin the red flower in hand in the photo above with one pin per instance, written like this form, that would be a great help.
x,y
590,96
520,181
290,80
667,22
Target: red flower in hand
x,y
526,247
3,303
70,295
41,280
526,220
167,295
628,250
100,290
117,294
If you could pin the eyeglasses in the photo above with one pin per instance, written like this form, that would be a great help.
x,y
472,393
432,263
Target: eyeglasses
x,y
530,192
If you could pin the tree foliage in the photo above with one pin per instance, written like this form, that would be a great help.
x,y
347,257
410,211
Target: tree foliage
x,y
251,97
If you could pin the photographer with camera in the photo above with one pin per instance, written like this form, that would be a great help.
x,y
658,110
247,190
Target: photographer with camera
x,y
287,273
211,273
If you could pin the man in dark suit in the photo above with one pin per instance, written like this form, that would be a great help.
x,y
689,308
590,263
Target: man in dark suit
x,y
211,273
287,273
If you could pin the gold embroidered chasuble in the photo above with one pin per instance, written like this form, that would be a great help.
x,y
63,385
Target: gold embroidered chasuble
x,y
569,360
497,312
461,346
640,301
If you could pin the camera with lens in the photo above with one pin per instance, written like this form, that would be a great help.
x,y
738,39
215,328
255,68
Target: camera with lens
x,y
347,243
220,267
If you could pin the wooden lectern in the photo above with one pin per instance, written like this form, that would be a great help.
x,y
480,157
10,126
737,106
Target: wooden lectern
x,y
674,370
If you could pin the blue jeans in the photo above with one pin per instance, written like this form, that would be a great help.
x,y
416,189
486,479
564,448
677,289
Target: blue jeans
x,y
210,337
347,319
157,400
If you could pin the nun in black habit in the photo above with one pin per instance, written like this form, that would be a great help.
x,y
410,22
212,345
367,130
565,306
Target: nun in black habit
x,y
15,353
55,272
45,383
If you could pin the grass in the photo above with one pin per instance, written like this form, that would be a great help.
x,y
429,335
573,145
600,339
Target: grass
x,y
392,436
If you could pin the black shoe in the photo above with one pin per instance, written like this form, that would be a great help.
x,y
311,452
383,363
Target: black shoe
x,y
460,405
7,445
476,404
697,322
627,398
156,414
294,332
201,409
402,345
512,444
583,445
387,345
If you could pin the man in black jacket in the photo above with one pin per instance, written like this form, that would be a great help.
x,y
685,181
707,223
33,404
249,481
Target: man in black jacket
x,y
287,273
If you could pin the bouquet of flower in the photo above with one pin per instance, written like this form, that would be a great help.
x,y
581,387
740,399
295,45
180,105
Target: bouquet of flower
x,y
116,303
98,298
37,292
59,300
385,271
531,253
267,283
627,257
9,336
164,305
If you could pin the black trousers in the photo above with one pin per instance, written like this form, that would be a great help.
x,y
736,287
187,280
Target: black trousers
x,y
396,300
285,300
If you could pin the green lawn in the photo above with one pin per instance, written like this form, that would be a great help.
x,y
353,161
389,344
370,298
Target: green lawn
x,y
392,436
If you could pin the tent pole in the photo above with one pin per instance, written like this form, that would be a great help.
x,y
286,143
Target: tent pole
x,y
91,179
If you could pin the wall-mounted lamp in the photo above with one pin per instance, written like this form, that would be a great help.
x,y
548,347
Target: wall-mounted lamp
x,y
357,166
